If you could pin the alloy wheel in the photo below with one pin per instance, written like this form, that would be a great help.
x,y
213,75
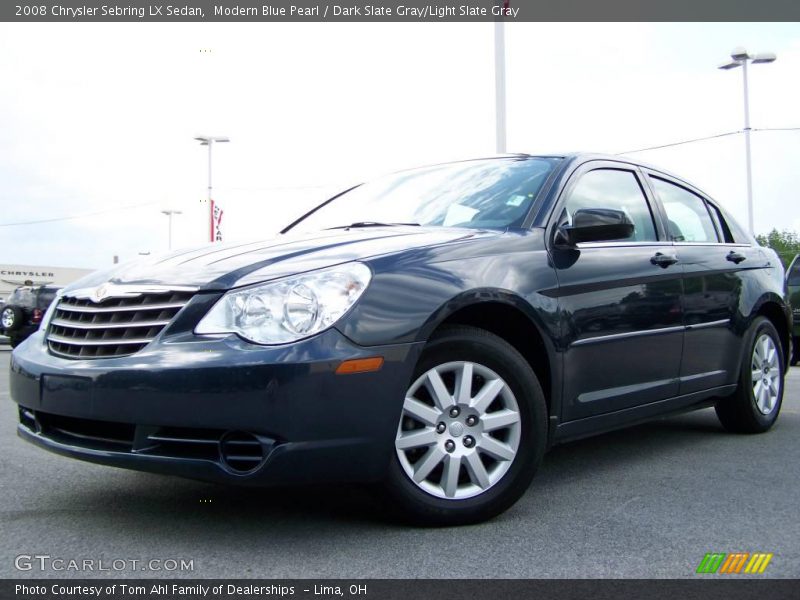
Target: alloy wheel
x,y
460,430
766,374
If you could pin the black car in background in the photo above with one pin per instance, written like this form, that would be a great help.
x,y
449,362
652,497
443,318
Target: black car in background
x,y
435,330
23,311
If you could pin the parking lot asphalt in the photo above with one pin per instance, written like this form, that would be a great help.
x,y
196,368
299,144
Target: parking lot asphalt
x,y
644,502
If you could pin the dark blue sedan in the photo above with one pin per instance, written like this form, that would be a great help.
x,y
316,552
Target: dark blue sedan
x,y
435,330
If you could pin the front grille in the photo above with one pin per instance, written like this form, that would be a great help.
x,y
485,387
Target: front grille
x,y
114,327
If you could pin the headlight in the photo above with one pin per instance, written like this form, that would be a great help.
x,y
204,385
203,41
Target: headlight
x,y
289,309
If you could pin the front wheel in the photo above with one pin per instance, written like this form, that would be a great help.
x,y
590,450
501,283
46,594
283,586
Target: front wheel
x,y
754,406
472,430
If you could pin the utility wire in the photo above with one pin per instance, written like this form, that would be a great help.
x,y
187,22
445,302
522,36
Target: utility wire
x,y
777,129
277,188
710,137
81,216
132,206
702,139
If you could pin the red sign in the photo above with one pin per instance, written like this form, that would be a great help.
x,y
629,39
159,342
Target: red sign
x,y
216,222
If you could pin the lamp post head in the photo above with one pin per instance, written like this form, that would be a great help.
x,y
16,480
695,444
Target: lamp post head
x,y
764,57
730,65
205,140
739,54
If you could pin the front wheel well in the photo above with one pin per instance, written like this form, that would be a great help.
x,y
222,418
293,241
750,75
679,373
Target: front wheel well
x,y
514,327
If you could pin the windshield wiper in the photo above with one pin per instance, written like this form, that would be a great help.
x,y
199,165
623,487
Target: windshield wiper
x,y
373,224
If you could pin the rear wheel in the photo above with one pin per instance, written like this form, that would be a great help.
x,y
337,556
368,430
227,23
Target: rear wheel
x,y
754,406
471,433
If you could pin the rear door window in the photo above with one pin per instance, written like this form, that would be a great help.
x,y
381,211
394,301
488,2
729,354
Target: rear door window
x,y
722,225
688,219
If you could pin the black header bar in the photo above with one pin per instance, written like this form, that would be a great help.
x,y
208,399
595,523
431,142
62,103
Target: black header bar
x,y
400,11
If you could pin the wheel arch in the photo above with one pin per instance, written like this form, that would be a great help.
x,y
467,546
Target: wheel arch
x,y
511,318
773,310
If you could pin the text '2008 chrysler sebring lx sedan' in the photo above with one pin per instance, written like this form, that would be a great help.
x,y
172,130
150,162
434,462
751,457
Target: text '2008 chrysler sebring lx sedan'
x,y
435,330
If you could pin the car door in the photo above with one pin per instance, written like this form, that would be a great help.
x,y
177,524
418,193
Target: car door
x,y
714,273
619,300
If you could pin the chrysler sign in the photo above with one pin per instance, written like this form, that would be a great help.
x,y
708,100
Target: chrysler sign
x,y
12,273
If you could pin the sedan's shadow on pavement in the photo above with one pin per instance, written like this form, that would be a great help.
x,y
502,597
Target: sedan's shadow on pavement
x,y
139,498
617,449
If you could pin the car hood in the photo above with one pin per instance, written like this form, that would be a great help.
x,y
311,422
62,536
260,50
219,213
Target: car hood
x,y
224,266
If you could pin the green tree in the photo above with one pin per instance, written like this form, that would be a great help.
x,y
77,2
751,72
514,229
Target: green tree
x,y
786,243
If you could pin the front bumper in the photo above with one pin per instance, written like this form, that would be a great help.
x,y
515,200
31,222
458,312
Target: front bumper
x,y
185,404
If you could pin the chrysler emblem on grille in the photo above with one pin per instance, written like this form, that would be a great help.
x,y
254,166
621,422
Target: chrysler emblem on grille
x,y
100,293
105,291
109,290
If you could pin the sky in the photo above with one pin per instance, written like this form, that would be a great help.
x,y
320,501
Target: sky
x,y
97,120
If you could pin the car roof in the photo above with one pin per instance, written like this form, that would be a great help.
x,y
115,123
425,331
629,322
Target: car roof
x,y
589,156
570,157
583,157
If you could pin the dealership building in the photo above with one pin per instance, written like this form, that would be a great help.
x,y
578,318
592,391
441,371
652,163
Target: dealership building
x,y
13,276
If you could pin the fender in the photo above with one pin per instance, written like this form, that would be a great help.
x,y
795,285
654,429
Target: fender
x,y
484,296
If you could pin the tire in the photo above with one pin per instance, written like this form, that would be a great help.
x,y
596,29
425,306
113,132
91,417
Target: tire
x,y
754,407
15,341
12,318
457,491
795,352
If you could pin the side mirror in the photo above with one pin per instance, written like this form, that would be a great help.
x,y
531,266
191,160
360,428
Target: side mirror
x,y
595,225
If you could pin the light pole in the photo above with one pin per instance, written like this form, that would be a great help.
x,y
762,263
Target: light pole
x,y
739,58
500,80
208,140
169,214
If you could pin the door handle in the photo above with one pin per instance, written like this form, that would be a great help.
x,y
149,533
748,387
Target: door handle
x,y
735,257
663,260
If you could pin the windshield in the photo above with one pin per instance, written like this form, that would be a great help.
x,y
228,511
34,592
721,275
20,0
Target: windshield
x,y
488,193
